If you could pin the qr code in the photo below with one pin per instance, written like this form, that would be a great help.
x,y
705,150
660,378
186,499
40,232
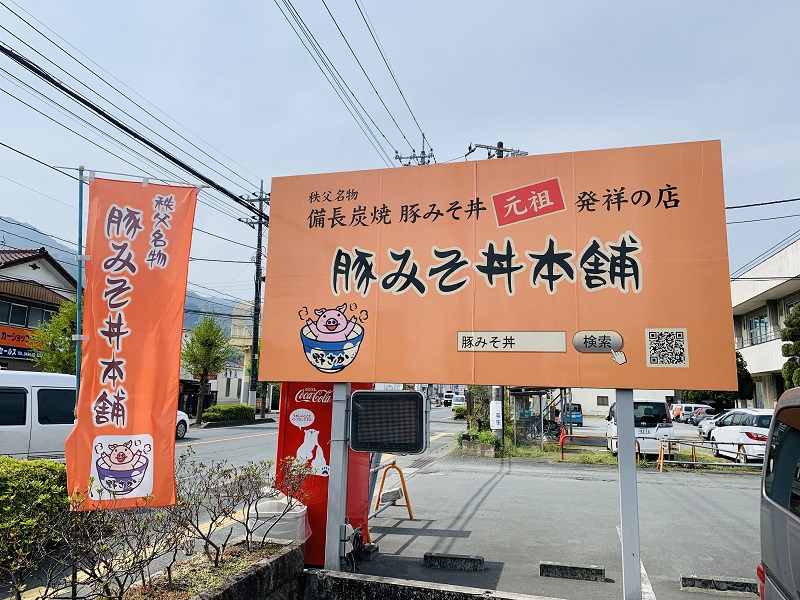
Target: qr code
x,y
667,348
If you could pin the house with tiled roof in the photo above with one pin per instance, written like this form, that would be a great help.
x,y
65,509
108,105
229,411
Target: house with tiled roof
x,y
32,287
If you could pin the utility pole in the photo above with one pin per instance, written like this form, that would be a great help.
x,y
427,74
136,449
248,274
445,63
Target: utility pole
x,y
258,224
423,158
499,151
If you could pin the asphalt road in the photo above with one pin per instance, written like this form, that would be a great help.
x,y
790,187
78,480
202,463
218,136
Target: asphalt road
x,y
518,512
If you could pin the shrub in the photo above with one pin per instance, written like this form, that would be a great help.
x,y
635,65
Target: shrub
x,y
229,412
487,437
32,495
460,412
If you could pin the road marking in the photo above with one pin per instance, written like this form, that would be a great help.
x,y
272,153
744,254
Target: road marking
x,y
239,437
647,588
435,436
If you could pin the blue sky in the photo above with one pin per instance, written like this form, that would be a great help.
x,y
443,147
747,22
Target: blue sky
x,y
541,76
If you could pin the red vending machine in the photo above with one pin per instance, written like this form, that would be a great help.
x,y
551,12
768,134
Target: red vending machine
x,y
305,432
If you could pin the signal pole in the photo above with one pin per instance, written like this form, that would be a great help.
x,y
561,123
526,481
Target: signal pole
x,y
424,158
257,224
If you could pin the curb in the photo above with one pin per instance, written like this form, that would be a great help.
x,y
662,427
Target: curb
x,y
460,562
720,584
565,571
214,424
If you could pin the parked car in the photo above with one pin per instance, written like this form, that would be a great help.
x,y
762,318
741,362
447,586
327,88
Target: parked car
x,y
37,412
681,412
742,434
653,424
459,400
448,398
700,413
779,570
707,425
574,415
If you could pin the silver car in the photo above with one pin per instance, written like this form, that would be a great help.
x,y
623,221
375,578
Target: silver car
x,y
779,570
707,425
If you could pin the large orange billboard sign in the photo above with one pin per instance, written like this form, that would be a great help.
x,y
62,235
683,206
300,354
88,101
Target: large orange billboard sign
x,y
122,448
603,268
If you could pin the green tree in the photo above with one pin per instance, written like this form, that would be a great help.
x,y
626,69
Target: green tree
x,y
53,340
204,353
791,334
745,391
481,397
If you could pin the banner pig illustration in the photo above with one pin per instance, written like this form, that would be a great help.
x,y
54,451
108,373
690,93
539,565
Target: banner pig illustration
x,y
121,457
332,325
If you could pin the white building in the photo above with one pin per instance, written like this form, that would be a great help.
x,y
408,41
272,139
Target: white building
x,y
762,297
596,401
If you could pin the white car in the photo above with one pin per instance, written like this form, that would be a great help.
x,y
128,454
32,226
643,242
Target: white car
x,y
459,400
183,425
742,434
652,421
707,425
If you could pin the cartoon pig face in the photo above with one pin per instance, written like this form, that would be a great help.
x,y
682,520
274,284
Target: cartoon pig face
x,y
121,454
331,320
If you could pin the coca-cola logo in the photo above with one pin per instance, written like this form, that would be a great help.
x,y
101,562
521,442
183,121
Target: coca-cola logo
x,y
313,395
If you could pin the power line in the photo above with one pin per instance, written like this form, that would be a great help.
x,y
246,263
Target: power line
x,y
247,262
386,61
346,41
220,292
38,161
223,208
96,93
55,237
223,238
45,76
790,239
762,203
348,103
762,219
122,83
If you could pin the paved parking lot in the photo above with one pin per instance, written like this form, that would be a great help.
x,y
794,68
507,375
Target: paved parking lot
x,y
518,512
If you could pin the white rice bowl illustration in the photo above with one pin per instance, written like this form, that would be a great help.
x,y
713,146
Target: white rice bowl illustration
x,y
331,357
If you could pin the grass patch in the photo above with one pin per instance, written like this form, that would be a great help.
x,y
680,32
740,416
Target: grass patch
x,y
194,576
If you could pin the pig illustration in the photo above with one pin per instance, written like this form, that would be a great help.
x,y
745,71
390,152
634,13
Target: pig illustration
x,y
332,325
121,458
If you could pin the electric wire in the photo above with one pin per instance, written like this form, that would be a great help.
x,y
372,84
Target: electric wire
x,y
96,93
38,243
75,208
341,94
216,205
790,239
48,78
363,70
761,219
762,203
134,92
55,237
20,152
220,260
367,22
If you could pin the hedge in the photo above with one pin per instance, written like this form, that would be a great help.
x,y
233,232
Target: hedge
x,y
460,412
32,494
229,412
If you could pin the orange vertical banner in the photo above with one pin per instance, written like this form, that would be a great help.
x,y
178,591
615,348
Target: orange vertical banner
x,y
123,445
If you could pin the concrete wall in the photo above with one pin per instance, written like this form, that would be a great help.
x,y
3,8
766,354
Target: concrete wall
x,y
44,275
763,358
784,263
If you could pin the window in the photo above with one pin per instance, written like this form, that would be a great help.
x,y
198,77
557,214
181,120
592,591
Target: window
x,y
56,407
669,399
763,421
227,387
789,305
12,406
602,401
782,470
35,316
18,315
727,420
739,419
759,329
5,308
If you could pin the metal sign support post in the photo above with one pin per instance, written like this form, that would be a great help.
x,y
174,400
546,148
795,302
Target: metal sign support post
x,y
628,497
337,480
79,289
541,420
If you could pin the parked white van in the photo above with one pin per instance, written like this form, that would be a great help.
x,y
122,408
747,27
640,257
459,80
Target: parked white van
x,y
652,421
37,412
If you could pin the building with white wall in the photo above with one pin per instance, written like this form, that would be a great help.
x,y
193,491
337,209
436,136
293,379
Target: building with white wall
x,y
762,296
597,401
